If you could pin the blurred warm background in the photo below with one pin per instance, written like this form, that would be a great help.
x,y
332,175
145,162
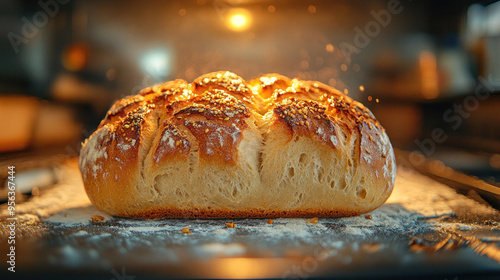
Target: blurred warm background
x,y
430,70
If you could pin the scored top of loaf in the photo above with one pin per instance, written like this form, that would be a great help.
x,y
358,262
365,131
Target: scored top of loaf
x,y
224,101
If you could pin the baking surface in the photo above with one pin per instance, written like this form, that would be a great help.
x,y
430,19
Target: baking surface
x,y
424,227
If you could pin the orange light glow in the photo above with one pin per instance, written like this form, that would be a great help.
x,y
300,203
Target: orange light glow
x,y
239,19
244,268
75,57
495,161
329,48
429,75
240,268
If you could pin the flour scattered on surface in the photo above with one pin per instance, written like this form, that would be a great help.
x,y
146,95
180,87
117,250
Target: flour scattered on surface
x,y
415,197
221,249
76,216
81,233
146,229
357,231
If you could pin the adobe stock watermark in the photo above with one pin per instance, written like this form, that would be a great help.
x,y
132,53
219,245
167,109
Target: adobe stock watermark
x,y
11,226
73,150
221,8
308,265
454,117
122,276
147,81
363,37
31,27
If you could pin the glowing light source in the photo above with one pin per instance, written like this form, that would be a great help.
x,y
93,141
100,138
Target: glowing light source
x,y
329,48
157,63
304,64
75,57
495,161
245,268
111,74
429,75
238,19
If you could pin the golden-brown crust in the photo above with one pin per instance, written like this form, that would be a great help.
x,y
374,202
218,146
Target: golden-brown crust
x,y
307,117
317,111
174,88
228,82
222,80
164,213
178,122
121,108
172,144
267,84
216,119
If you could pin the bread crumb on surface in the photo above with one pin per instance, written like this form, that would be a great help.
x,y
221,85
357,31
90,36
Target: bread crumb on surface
x,y
230,225
97,219
186,230
313,220
270,221
369,217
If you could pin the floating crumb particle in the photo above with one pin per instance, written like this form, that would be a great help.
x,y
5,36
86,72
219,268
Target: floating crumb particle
x,y
313,220
186,231
270,221
369,217
230,225
97,219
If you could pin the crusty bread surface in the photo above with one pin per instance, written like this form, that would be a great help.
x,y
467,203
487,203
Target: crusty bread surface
x,y
220,147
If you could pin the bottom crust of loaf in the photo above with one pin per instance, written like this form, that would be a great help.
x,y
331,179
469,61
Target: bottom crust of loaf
x,y
236,214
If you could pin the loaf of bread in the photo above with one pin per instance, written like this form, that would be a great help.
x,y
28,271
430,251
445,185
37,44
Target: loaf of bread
x,y
220,147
